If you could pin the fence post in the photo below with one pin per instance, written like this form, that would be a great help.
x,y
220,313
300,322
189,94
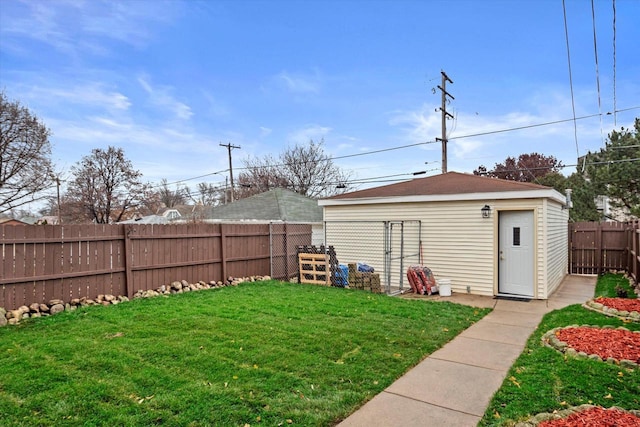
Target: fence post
x,y
222,251
286,250
570,248
598,249
128,280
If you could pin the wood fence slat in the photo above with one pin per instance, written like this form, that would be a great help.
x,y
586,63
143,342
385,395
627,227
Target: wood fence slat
x,y
598,247
40,263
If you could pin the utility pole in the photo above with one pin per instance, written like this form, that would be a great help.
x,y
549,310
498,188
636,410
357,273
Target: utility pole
x,y
445,114
58,190
229,148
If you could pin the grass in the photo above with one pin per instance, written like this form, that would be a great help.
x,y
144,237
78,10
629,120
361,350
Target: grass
x,y
544,380
267,353
608,283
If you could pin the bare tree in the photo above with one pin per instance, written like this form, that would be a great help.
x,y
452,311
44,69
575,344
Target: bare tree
x,y
106,186
207,194
305,169
25,155
171,198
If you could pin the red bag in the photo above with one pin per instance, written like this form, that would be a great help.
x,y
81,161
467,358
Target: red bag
x,y
421,279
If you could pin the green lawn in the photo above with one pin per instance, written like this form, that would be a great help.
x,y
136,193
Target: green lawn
x,y
609,283
266,353
544,380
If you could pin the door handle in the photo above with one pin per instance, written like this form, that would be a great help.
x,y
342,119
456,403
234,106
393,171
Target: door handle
x,y
501,256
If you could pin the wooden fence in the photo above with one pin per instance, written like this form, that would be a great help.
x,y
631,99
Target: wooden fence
x,y
596,247
40,263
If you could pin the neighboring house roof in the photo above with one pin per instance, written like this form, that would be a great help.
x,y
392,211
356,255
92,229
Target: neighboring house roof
x,y
12,221
48,219
149,219
274,205
448,186
183,210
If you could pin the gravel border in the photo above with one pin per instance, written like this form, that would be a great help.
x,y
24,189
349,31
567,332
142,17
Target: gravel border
x,y
549,339
592,305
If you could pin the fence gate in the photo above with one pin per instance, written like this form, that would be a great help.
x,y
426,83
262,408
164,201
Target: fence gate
x,y
388,246
401,248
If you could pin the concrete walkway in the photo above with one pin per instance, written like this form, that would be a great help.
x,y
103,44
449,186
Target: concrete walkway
x,y
454,385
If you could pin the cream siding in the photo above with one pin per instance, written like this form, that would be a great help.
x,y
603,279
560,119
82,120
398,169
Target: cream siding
x,y
317,234
557,246
457,243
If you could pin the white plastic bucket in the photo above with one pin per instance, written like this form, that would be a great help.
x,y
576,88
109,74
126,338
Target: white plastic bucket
x,y
444,286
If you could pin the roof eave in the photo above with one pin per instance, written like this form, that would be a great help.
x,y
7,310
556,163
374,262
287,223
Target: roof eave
x,y
496,195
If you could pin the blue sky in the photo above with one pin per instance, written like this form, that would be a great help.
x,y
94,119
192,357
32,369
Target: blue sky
x,y
168,81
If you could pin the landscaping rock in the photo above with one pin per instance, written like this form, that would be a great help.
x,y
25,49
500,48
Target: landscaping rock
x,y
57,305
14,315
56,308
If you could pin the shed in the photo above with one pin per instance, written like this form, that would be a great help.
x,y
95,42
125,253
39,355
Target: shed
x,y
488,236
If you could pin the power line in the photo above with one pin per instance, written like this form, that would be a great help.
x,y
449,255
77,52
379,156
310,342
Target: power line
x,y
189,179
401,147
573,103
615,116
555,122
595,48
524,169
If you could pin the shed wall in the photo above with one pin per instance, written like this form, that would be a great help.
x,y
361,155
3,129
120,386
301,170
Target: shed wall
x,y
556,239
459,244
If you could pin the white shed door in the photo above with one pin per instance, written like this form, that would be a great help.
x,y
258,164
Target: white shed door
x,y
516,256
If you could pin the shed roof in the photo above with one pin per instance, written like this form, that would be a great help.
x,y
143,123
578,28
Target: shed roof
x,y
278,204
447,186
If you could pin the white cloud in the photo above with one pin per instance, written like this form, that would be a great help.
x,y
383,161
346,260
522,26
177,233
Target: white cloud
x,y
90,94
161,97
418,126
314,132
301,84
264,132
78,27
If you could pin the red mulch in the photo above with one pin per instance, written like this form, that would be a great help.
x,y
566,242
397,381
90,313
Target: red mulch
x,y
620,303
617,343
595,417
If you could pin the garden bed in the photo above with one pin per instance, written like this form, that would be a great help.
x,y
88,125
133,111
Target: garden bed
x,y
613,345
623,308
585,416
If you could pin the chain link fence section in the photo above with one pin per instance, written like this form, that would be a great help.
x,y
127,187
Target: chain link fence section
x,y
390,247
284,240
